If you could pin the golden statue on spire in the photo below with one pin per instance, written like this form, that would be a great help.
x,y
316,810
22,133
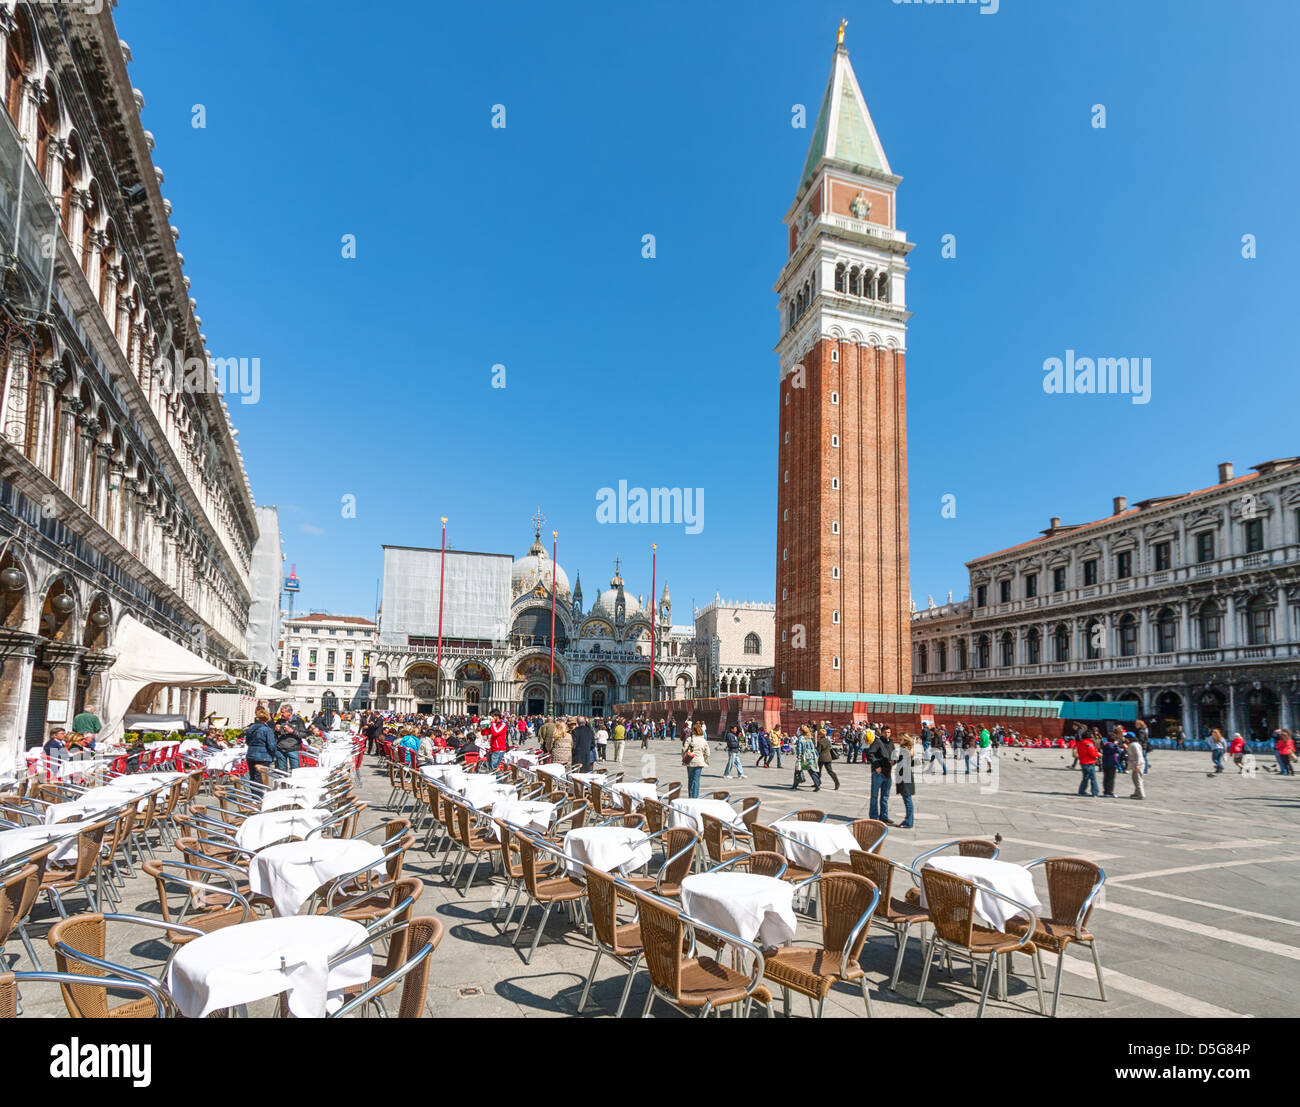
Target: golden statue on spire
x,y
839,36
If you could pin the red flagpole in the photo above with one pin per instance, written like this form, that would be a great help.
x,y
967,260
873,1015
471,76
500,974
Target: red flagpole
x,y
550,695
654,615
442,576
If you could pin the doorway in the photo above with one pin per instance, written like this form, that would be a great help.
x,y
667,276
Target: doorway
x,y
536,706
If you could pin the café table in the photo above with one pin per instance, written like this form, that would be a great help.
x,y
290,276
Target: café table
x,y
1001,876
292,797
485,791
255,960
291,872
534,815
100,801
686,813
145,782
589,778
310,776
223,760
22,839
521,757
557,772
809,844
759,909
259,831
637,789
607,848
450,775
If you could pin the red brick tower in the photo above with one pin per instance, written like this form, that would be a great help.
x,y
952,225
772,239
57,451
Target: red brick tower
x,y
842,598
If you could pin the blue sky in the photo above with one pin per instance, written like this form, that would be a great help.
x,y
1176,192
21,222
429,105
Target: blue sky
x,y
521,247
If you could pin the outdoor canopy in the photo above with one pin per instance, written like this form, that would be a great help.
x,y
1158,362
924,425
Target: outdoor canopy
x,y
146,657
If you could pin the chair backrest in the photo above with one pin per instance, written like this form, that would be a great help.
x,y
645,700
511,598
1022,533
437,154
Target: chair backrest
x,y
89,843
408,891
764,863
662,934
869,833
633,822
876,868
712,837
509,850
1070,880
654,815
8,996
649,780
749,812
16,891
674,790
845,899
528,861
765,839
679,841
977,847
423,931
951,903
603,898
724,796
810,815
85,934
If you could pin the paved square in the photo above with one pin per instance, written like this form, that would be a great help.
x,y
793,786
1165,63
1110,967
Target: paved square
x,y
1202,913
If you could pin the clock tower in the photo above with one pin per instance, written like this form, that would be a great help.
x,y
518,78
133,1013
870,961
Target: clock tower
x,y
842,598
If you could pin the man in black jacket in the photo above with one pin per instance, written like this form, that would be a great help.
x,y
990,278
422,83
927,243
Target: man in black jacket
x,y
584,745
880,756
290,731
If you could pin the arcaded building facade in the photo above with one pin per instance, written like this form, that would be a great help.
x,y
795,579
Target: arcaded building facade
x,y
120,492
842,601
1187,604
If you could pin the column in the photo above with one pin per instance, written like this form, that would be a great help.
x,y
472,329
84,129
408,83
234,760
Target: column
x,y
86,429
15,695
118,498
1144,631
1186,694
102,454
1184,625
1229,635
1232,710
46,431
1282,631
66,477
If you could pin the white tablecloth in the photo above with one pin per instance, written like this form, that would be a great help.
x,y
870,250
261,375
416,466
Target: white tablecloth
x,y
289,873
24,838
331,757
271,826
607,848
291,797
757,908
240,964
637,789
100,801
144,783
588,778
521,757
452,775
814,842
553,770
1002,876
310,777
529,814
686,812
484,791
222,760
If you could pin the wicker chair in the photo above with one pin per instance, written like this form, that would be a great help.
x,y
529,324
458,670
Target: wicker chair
x,y
713,833
601,805
9,982
679,853
1072,887
79,944
763,863
674,791
951,901
966,847
893,914
847,904
38,857
810,815
18,891
724,796
207,906
768,840
57,881
621,941
694,985
545,891
749,813
870,835
653,810
423,935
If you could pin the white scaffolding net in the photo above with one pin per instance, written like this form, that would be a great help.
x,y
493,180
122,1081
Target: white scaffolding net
x,y
476,595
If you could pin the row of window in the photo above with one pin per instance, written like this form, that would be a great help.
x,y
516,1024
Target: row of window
x,y
311,676
1208,632
1162,554
861,282
329,658
332,630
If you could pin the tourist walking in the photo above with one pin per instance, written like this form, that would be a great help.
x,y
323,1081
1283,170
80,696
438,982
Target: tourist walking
x,y
733,742
260,739
826,754
619,737
778,741
1085,750
290,730
764,750
584,745
1284,750
602,739
805,759
1137,764
1218,747
561,747
1109,765
1237,751
904,783
695,756
936,754
498,740
880,756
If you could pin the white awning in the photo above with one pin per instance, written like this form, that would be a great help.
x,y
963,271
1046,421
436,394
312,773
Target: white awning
x,y
146,657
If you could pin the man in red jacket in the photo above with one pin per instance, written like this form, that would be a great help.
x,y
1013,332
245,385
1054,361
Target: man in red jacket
x,y
1086,750
498,739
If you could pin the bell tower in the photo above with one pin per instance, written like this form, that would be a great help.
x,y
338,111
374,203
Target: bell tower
x,y
842,595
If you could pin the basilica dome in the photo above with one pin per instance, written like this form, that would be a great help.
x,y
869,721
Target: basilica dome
x,y
534,569
605,606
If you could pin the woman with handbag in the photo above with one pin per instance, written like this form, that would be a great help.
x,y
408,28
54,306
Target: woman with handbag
x,y
904,783
695,756
825,755
805,758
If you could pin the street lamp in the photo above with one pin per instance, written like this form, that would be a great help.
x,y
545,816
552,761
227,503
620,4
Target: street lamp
x,y
442,576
